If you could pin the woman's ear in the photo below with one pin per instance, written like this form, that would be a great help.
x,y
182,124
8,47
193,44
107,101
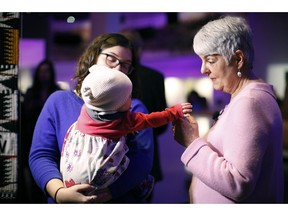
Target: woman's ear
x,y
239,56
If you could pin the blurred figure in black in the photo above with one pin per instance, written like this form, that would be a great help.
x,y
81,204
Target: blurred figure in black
x,y
198,102
152,94
284,110
44,84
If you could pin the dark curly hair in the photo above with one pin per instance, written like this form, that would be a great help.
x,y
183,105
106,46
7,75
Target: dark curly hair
x,y
91,54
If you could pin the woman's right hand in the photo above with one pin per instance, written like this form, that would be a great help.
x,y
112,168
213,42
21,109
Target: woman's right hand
x,y
81,193
77,194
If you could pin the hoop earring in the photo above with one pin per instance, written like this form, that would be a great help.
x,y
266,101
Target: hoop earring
x,y
239,74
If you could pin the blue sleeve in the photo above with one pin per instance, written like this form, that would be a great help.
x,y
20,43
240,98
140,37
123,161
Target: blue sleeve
x,y
44,150
140,155
58,113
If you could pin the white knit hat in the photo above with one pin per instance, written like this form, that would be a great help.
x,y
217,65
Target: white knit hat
x,y
105,89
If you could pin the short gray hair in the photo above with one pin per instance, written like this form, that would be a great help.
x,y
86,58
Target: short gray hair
x,y
224,36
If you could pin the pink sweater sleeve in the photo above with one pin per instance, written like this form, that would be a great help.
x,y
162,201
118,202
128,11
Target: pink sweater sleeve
x,y
230,160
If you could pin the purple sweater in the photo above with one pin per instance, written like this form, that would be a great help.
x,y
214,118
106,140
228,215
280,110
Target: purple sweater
x,y
240,159
60,111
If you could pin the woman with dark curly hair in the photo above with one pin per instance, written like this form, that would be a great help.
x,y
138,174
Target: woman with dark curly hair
x,y
63,108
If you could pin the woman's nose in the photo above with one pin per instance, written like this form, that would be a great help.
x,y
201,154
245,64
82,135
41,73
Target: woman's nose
x,y
204,69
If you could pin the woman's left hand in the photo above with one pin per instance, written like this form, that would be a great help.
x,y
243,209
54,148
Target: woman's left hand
x,y
185,130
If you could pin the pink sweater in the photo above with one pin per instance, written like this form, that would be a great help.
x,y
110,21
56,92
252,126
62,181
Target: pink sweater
x,y
240,160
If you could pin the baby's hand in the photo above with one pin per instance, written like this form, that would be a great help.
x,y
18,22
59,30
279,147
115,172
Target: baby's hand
x,y
187,108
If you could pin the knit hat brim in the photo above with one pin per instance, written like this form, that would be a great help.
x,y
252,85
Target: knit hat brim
x,y
105,89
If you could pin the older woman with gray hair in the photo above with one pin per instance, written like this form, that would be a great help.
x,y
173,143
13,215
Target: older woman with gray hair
x,y
240,159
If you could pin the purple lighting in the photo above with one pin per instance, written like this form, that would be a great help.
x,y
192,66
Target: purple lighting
x,y
31,52
185,66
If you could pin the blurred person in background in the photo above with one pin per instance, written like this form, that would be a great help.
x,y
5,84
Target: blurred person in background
x,y
43,85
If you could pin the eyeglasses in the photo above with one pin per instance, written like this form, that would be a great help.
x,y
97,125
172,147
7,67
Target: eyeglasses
x,y
113,62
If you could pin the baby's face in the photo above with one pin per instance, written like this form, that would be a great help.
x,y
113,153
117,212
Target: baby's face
x,y
126,106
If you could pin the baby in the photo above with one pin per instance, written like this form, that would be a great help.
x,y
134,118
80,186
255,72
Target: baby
x,y
94,149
